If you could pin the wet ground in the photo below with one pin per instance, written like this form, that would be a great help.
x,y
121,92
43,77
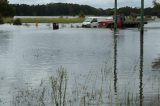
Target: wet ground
x,y
29,54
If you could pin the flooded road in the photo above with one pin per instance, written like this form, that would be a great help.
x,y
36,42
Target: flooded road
x,y
94,59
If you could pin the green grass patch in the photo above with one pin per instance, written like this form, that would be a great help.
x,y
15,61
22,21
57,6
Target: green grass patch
x,y
8,20
47,20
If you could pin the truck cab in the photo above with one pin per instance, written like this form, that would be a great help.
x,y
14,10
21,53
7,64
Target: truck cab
x,y
90,22
109,23
93,22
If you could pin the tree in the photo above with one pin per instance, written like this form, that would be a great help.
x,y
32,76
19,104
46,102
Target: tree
x,y
156,7
56,9
109,12
156,4
81,14
1,20
6,10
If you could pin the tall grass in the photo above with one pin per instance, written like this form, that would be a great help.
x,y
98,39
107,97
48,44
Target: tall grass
x,y
95,89
46,20
52,20
59,87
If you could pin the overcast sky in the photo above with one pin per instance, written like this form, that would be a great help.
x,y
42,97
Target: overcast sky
x,y
95,3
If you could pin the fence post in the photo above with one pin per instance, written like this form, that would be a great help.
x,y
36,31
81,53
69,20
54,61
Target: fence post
x,y
142,17
115,16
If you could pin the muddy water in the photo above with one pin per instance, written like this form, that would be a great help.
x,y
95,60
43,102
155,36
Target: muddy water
x,y
29,54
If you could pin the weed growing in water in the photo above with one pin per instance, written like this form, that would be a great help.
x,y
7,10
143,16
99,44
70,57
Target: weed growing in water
x,y
59,87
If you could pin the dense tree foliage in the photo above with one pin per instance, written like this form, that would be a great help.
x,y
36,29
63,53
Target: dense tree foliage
x,y
6,10
68,9
129,11
136,11
56,9
156,7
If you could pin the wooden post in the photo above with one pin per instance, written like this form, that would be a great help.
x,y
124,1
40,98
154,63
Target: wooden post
x,y
141,54
142,17
115,16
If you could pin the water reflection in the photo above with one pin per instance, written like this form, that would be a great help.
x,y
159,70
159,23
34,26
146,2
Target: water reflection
x,y
141,68
115,63
141,96
36,54
4,41
156,64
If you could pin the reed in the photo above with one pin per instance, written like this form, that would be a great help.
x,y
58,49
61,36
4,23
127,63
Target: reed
x,y
59,87
96,89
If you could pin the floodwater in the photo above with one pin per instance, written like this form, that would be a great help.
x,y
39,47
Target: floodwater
x,y
98,63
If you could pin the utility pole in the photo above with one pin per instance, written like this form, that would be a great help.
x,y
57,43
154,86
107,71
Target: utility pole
x,y
115,16
141,54
142,17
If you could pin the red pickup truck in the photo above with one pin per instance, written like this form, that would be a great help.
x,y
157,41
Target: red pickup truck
x,y
121,23
109,23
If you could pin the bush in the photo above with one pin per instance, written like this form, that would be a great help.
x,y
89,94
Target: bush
x,y
1,20
148,16
81,14
158,15
59,87
17,22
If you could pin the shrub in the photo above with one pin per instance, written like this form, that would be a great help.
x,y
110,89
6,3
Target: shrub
x,y
148,16
59,87
158,15
81,14
17,22
1,20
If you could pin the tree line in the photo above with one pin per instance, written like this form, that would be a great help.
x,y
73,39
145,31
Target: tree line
x,y
56,9
130,11
69,9
6,10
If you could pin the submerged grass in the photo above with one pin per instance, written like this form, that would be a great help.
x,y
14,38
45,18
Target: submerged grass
x,y
46,20
59,87
156,64
96,88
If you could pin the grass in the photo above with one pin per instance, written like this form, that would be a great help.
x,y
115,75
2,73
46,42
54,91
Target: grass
x,y
8,20
97,89
54,94
46,20
59,87
156,64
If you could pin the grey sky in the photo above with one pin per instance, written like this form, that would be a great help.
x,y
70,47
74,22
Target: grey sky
x,y
95,3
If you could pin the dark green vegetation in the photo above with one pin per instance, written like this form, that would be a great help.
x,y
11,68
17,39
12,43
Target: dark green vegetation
x,y
17,22
52,20
6,10
1,20
156,7
60,9
65,9
46,20
129,11
56,9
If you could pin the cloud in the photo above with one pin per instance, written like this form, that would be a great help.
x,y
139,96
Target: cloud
x,y
95,3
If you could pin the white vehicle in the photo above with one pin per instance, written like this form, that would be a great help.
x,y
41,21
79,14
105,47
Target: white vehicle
x,y
93,22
